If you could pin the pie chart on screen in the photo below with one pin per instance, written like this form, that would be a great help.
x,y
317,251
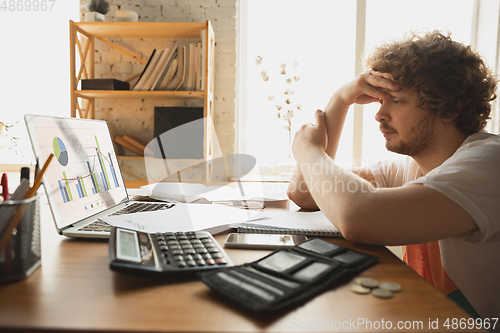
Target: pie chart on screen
x,y
60,151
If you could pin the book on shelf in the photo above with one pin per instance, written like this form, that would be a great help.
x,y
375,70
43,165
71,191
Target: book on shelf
x,y
188,78
121,141
169,75
197,83
203,45
165,66
153,60
179,68
184,84
145,68
155,73
176,80
176,77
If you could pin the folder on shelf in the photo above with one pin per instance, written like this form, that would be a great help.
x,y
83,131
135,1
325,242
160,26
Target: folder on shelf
x,y
135,141
104,84
128,145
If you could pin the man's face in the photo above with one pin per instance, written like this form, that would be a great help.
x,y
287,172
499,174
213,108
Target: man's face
x,y
408,127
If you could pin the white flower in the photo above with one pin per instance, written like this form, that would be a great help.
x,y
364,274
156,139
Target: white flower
x,y
265,77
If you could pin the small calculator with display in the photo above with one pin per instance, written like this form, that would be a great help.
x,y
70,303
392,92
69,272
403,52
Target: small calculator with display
x,y
164,254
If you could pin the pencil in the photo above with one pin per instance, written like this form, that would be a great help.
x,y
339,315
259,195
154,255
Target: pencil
x,y
19,214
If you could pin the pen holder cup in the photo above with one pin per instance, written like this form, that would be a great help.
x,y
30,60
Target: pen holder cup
x,y
21,255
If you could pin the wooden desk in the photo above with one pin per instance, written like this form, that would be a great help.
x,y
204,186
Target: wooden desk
x,y
74,289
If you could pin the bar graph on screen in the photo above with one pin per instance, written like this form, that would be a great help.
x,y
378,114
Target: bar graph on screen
x,y
84,175
101,170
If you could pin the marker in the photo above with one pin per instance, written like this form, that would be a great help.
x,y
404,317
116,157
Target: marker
x,y
25,173
5,187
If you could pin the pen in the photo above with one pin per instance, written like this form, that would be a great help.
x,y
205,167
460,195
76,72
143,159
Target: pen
x,y
5,187
19,214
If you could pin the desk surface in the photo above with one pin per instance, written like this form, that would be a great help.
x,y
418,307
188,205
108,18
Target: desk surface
x,y
74,289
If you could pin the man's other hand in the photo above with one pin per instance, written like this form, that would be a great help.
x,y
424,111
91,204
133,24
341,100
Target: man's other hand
x,y
311,136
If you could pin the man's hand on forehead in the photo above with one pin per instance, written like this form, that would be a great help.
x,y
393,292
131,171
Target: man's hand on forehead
x,y
381,80
366,88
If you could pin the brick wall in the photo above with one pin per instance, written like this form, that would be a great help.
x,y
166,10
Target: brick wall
x,y
136,116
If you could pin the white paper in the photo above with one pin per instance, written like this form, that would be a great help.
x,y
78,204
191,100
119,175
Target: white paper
x,y
295,220
183,217
188,192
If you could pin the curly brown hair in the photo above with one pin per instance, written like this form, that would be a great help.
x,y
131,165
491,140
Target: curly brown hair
x,y
453,79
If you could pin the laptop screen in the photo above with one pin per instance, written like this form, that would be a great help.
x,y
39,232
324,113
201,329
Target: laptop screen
x,y
84,177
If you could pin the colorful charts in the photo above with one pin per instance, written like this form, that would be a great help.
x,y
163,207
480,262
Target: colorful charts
x,y
60,151
98,180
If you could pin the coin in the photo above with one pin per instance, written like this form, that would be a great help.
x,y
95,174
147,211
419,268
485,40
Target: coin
x,y
391,286
381,293
358,289
366,282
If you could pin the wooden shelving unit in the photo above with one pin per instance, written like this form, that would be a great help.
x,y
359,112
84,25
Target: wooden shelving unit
x,y
82,43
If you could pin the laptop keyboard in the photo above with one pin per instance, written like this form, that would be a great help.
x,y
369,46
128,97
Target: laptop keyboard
x,y
101,226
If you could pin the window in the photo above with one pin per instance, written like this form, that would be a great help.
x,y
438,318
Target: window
x,y
34,72
320,36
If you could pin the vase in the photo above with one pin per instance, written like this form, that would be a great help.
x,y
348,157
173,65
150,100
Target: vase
x,y
126,16
94,17
287,168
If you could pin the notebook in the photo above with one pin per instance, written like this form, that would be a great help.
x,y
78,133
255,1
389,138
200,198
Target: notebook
x,y
291,223
83,182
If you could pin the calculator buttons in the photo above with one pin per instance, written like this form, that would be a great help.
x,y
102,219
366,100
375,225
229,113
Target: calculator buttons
x,y
190,250
180,263
220,261
212,249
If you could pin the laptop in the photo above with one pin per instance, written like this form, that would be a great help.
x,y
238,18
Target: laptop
x,y
83,182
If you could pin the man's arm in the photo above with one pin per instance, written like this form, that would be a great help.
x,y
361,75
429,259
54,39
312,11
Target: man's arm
x,y
298,192
298,187
388,216
362,90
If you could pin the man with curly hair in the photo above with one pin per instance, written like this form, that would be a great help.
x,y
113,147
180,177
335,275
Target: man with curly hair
x,y
443,201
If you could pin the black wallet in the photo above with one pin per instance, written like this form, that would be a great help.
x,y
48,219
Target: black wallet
x,y
287,277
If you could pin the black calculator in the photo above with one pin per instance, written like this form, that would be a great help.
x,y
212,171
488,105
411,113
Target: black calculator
x,y
164,254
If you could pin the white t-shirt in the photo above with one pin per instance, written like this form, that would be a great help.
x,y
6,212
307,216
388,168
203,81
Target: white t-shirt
x,y
471,178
